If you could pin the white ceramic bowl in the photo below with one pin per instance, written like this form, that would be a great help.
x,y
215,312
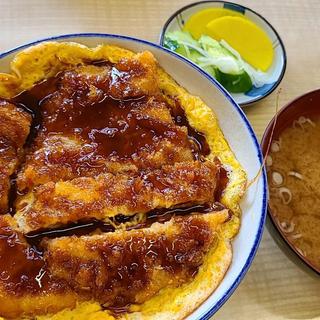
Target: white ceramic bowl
x,y
275,73
237,131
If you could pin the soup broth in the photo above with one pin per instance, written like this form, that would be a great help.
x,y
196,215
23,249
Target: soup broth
x,y
293,167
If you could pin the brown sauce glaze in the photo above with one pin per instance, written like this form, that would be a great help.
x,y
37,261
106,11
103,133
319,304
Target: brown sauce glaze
x,y
79,228
22,266
31,100
163,215
180,256
113,127
108,122
198,140
87,227
125,266
222,181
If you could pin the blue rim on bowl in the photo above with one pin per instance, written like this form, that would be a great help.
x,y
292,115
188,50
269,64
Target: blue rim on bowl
x,y
261,222
279,66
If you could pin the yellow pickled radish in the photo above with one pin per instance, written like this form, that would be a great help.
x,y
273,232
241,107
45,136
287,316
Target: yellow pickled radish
x,y
196,24
253,44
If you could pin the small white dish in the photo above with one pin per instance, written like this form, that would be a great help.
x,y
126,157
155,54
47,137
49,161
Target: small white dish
x,y
238,133
274,74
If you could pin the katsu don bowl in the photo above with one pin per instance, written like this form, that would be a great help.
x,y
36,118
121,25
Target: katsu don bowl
x,y
124,190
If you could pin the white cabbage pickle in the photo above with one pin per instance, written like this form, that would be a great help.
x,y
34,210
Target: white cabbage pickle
x,y
218,59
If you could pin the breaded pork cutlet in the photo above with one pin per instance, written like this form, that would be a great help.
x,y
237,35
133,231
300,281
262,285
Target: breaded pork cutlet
x,y
107,195
120,267
26,287
14,130
142,136
104,119
114,268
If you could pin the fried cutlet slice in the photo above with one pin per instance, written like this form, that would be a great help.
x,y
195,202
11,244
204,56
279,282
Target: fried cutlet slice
x,y
127,79
104,119
14,130
108,195
26,288
135,77
125,267
65,158
56,157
